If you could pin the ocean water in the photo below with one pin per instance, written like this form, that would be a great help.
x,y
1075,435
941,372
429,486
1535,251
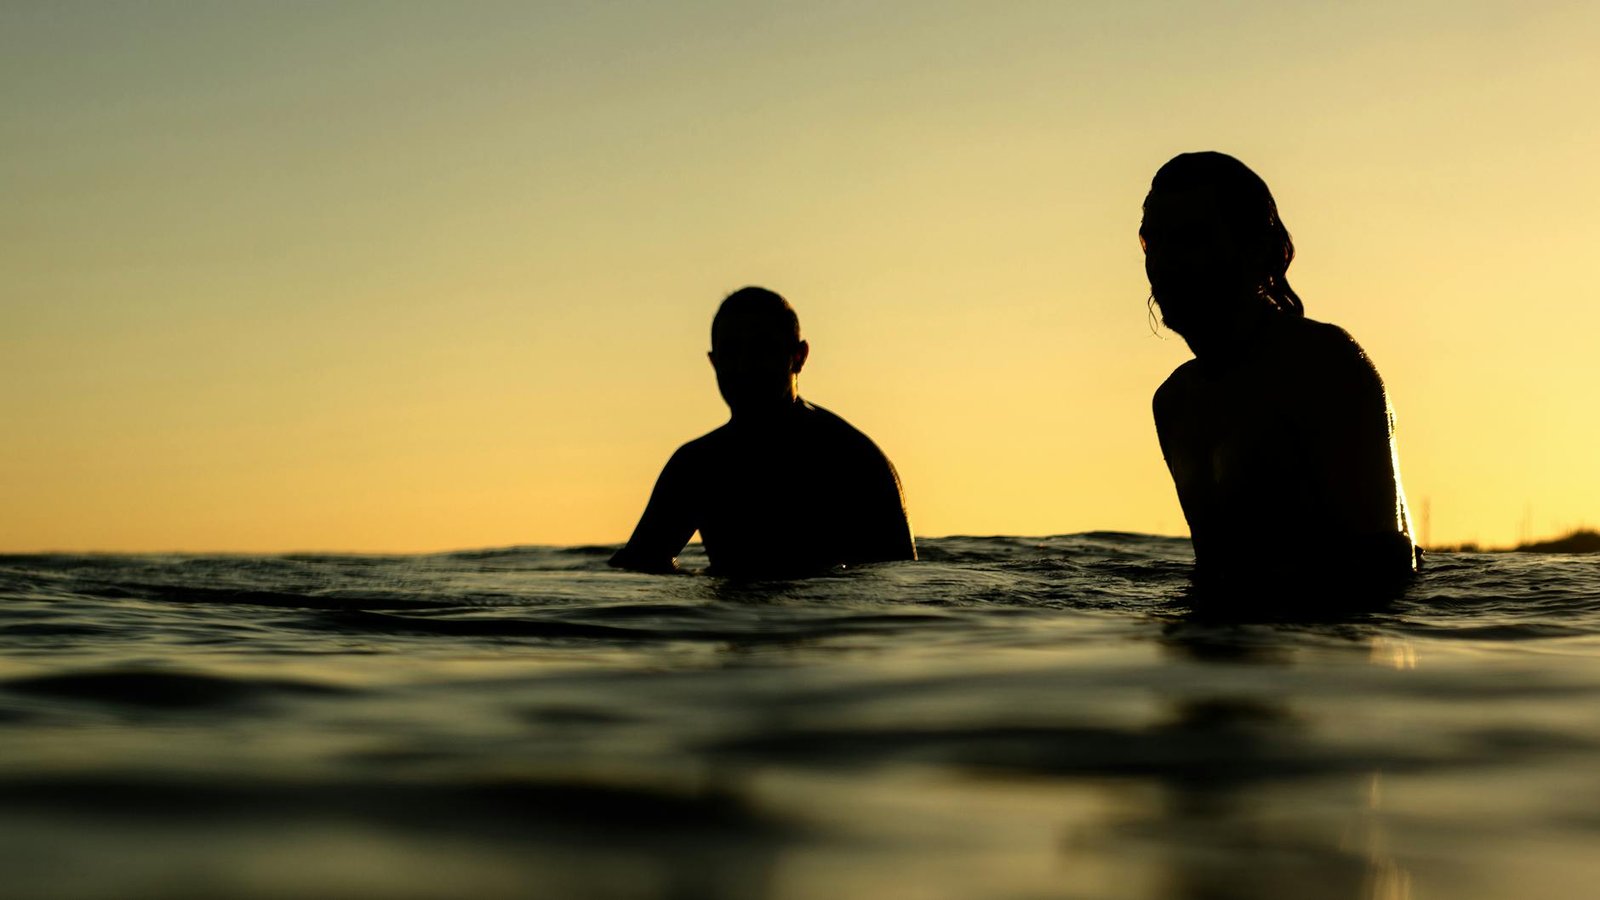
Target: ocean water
x,y
1009,718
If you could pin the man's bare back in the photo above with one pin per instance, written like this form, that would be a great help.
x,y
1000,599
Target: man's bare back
x,y
785,487
792,496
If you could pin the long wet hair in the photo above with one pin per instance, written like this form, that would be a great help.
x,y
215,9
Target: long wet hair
x,y
1249,211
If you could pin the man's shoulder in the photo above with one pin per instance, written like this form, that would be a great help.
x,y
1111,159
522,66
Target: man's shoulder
x,y
833,427
701,448
821,416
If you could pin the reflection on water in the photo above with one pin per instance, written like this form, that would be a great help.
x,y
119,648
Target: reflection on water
x,y
1386,878
1011,718
1396,653
1223,828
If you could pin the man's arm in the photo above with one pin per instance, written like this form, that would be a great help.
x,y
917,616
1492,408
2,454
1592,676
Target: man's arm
x,y
881,530
668,521
898,542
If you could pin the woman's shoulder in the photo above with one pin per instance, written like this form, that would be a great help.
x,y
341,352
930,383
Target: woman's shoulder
x,y
1181,383
1327,360
1322,346
1311,336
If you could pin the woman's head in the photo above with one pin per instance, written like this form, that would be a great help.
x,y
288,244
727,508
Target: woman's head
x,y
1212,236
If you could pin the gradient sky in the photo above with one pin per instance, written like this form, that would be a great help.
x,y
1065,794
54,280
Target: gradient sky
x,y
393,277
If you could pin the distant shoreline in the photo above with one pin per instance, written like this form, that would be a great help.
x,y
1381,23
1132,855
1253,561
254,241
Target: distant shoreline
x,y
1581,540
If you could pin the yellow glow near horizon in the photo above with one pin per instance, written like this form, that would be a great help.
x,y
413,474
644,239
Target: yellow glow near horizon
x,y
412,276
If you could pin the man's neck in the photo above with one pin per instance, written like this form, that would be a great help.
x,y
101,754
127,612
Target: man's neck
x,y
768,414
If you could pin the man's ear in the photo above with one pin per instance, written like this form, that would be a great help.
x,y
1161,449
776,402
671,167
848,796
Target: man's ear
x,y
802,352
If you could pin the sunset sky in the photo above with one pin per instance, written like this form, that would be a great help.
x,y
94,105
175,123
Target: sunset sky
x,y
420,276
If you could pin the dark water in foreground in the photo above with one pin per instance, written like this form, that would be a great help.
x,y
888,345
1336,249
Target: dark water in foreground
x,y
1011,718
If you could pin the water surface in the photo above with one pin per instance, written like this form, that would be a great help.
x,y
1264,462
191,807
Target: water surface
x,y
1010,718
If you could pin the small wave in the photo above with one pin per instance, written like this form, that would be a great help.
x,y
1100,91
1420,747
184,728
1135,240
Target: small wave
x,y
647,625
55,629
161,689
560,809
1213,742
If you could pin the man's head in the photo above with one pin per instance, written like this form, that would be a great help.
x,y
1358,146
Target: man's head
x,y
757,351
1212,237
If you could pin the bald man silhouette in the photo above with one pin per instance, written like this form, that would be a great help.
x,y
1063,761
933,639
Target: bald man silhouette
x,y
785,487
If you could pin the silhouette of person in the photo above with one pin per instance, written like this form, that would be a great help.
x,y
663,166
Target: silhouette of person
x,y
785,487
1278,434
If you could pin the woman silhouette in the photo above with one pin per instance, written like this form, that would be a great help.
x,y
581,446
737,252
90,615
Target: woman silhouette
x,y
1278,434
